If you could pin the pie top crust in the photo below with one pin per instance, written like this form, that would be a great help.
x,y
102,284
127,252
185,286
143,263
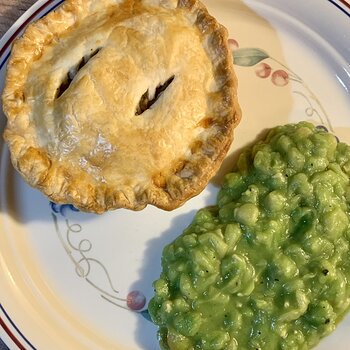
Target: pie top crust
x,y
121,103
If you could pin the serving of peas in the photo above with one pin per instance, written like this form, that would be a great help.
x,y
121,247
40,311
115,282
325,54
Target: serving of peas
x,y
268,266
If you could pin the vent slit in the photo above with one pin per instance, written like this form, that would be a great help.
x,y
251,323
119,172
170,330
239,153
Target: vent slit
x,y
145,101
73,72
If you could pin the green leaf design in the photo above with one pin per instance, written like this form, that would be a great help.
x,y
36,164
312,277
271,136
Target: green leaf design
x,y
248,57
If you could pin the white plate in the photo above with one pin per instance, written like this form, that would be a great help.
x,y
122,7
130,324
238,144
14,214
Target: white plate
x,y
66,276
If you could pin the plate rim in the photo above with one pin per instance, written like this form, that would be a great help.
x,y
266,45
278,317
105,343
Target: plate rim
x,y
10,333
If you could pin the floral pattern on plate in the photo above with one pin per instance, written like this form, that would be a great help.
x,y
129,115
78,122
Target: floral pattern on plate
x,y
86,265
280,75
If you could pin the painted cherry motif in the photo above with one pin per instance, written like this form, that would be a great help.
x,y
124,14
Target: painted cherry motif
x,y
135,300
263,70
233,44
280,78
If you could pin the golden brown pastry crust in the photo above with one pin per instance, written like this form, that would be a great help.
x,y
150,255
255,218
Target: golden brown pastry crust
x,y
80,147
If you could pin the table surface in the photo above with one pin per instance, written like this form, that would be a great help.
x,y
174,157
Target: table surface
x,y
10,11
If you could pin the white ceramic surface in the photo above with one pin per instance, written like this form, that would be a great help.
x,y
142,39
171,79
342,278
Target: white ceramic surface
x,y
68,279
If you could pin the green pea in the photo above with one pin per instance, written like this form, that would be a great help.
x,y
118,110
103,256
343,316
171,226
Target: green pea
x,y
187,323
295,158
215,242
186,286
161,288
320,314
232,235
175,340
246,214
335,223
216,340
275,201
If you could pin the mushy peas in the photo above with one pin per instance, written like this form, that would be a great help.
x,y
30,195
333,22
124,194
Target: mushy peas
x,y
267,267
